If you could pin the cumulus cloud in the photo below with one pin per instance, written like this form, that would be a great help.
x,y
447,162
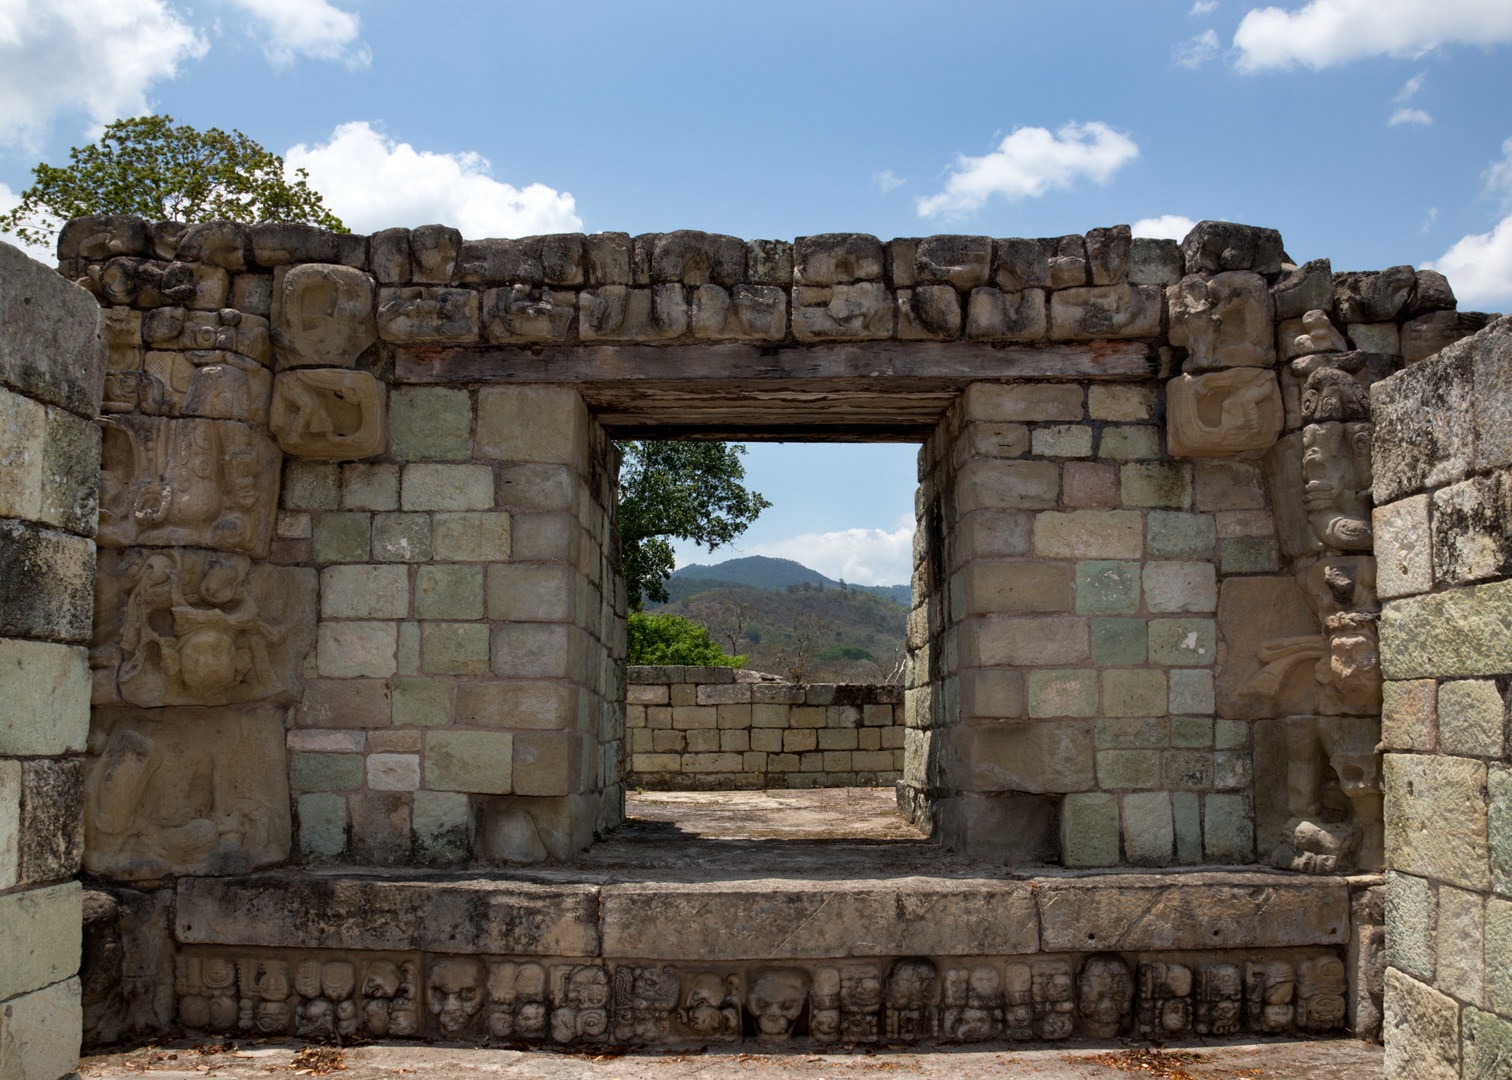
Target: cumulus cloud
x,y
1479,267
1410,87
98,57
312,28
1197,51
1030,162
1327,33
1164,227
1409,116
373,182
859,556
887,180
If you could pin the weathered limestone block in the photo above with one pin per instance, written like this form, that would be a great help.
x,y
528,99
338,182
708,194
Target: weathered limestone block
x,y
1231,413
51,841
962,262
186,627
837,259
1068,261
1010,316
1256,678
280,243
618,313
227,330
324,316
744,313
1428,334
1153,262
770,262
1318,793
1108,254
1463,632
1384,338
36,308
1019,264
329,414
219,243
1313,332
434,249
185,791
39,1032
1165,1001
527,313
1036,758
1213,246
102,236
842,312
390,256
696,258
929,312
1375,296
1286,485
1223,321
1472,530
428,316
213,385
1105,996
1306,288
1079,314
1436,819
532,261
209,483
606,259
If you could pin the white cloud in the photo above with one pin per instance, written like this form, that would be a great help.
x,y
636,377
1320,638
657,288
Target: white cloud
x,y
1428,219
1326,33
1410,88
1409,116
9,199
1030,162
1204,7
374,182
95,56
1164,227
1499,175
311,28
859,556
887,180
1479,267
1196,52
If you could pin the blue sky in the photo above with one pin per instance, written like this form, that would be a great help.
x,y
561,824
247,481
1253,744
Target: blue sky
x,y
1374,132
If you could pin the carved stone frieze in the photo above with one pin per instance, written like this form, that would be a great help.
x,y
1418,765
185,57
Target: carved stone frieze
x,y
911,1012
777,999
329,414
1105,995
1165,1001
1054,999
1220,999
580,1003
1232,413
185,791
323,316
620,313
645,1002
180,626
200,483
1222,321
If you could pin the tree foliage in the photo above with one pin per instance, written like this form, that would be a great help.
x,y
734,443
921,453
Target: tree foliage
x,y
152,168
671,639
677,490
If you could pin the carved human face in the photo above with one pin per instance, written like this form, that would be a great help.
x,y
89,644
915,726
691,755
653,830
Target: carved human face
x,y
208,660
337,980
455,993
588,988
861,987
380,980
776,1000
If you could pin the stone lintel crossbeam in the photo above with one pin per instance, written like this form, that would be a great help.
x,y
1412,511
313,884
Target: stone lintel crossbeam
x,y
850,391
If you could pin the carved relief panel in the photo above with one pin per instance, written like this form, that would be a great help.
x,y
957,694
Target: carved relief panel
x,y
323,316
329,414
1232,413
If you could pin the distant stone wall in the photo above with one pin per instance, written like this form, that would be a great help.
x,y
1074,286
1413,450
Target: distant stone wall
x,y
1443,484
52,367
716,729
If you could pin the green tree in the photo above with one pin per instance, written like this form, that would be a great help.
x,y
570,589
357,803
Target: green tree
x,y
152,168
671,639
677,490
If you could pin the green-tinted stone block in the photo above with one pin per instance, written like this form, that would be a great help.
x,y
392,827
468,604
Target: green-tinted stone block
x,y
1192,732
325,772
1129,442
1063,692
430,423
1499,826
1228,828
1485,1044
310,485
1149,832
1131,732
322,824
1134,692
442,822
1156,483
370,487
1089,830
1183,642
1231,734
1119,641
1249,555
1411,939
402,537
342,537
1122,769
1106,586
1173,535
449,592
454,648
476,761
421,702
1188,770
1186,809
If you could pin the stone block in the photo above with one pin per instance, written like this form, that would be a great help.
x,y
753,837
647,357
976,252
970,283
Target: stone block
x,y
428,316
1183,642
369,487
1107,311
1409,715
546,763
1174,535
1460,970
1134,692
1436,819
1153,262
998,586
1148,828
1424,433
447,487
51,841
1249,555
52,348
1213,246
1038,758
325,772
1063,440
10,823
41,937
1089,485
46,583
442,825
536,650
393,772
401,538
322,824
1022,402
357,591
1464,632
1471,717
472,761
545,425
1421,1030
349,650
1180,586
454,648
1070,692
1485,1043
1228,485
46,689
1228,828
1125,770
986,694
1403,548
1411,921
314,740
993,484
68,496
449,591
1107,587
1129,442
1195,732
1142,732
1089,833
1472,530
1089,534
1119,641
471,537
430,423
992,534
24,425
343,703
837,258
993,314
1155,484
341,538
39,1032
1027,640
310,485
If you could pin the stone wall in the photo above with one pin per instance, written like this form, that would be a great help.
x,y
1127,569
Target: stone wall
x,y
1443,463
719,729
52,365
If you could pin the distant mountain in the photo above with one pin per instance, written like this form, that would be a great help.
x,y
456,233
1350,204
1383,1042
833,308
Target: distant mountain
x,y
761,572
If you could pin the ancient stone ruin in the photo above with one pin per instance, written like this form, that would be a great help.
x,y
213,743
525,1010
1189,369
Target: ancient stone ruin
x,y
359,722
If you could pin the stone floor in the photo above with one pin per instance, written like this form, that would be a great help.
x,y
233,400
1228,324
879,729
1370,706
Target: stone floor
x,y
1338,1059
